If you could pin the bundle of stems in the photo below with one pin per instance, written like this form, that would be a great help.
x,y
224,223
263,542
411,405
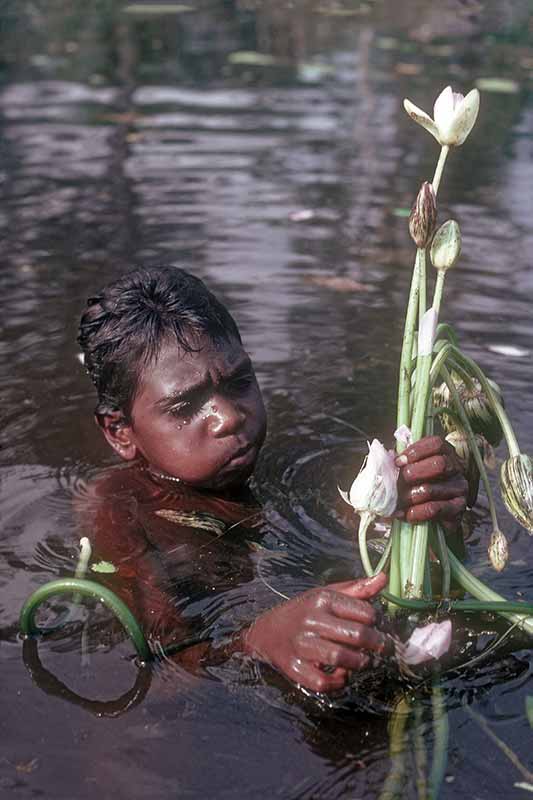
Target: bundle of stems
x,y
440,383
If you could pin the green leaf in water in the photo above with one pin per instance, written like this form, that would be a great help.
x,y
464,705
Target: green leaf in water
x,y
156,9
103,566
529,708
501,85
252,58
401,212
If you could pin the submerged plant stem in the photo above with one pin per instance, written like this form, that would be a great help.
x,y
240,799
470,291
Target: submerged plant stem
x,y
441,732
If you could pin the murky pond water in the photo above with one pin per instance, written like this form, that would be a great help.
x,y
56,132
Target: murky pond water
x,y
142,135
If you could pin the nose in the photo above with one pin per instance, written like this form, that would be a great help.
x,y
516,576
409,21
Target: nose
x,y
226,417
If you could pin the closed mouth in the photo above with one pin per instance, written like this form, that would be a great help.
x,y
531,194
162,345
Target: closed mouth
x,y
242,456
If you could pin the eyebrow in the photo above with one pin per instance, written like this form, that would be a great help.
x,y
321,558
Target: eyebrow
x,y
195,389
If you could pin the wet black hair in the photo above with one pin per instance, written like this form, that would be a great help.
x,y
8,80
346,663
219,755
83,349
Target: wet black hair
x,y
126,323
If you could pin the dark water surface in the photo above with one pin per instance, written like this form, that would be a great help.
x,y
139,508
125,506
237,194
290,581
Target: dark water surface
x,y
132,137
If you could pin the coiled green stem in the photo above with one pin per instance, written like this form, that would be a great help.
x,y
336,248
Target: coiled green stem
x,y
84,588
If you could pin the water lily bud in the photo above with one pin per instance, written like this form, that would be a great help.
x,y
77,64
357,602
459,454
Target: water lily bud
x,y
498,550
478,409
454,116
375,489
516,483
423,216
459,441
446,245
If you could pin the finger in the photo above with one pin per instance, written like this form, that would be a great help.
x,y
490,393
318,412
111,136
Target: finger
x,y
364,588
346,631
424,448
312,677
439,490
434,467
324,652
437,510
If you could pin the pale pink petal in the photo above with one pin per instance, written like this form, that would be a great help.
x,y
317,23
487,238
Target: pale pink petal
x,y
430,641
403,435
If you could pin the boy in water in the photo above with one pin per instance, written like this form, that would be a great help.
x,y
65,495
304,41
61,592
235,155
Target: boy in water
x,y
178,401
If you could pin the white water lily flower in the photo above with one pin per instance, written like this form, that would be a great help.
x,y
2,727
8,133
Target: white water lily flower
x,y
430,641
375,491
454,116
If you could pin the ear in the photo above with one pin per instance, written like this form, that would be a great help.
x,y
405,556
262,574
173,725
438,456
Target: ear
x,y
118,433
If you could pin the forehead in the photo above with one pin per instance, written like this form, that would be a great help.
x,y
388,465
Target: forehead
x,y
176,369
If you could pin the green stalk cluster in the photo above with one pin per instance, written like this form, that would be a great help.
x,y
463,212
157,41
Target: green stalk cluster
x,y
470,405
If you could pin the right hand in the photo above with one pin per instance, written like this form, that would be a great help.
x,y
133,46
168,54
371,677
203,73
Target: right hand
x,y
332,627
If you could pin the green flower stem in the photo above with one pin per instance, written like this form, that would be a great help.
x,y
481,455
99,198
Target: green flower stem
x,y
418,422
442,550
365,521
406,544
472,367
439,169
404,386
422,299
394,572
490,598
465,422
86,589
445,329
508,608
382,563
415,584
439,289
441,733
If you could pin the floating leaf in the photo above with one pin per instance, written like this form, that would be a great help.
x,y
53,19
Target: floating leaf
x,y
508,350
156,9
500,85
401,212
303,215
104,567
252,58
310,72
338,284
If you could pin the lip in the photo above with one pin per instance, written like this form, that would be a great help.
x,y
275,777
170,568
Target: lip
x,y
243,456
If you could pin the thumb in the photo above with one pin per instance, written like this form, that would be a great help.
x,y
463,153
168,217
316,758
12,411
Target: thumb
x,y
364,588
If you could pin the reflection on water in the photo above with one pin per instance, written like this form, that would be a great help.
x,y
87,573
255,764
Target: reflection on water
x,y
131,138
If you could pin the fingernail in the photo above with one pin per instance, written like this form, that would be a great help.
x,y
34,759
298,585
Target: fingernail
x,y
401,461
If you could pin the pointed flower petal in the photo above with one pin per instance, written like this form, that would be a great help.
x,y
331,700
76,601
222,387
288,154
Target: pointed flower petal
x,y
443,108
421,118
403,435
465,116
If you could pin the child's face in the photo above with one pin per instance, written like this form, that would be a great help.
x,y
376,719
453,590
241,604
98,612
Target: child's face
x,y
199,416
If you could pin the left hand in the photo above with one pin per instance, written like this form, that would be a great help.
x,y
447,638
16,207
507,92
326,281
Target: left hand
x,y
432,485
